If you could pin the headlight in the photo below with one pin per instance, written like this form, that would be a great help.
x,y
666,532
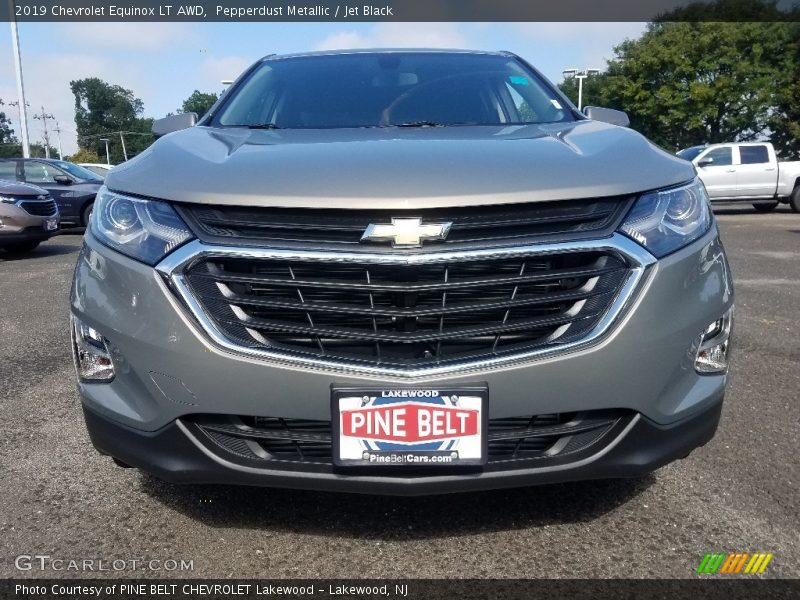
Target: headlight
x,y
8,199
146,230
667,220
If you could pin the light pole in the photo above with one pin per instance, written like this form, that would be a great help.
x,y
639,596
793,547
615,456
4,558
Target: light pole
x,y
580,75
23,115
108,160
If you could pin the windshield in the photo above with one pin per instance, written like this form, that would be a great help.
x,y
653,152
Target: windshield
x,y
391,89
77,171
691,153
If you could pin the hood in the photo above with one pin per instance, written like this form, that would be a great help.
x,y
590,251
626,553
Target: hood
x,y
398,168
13,188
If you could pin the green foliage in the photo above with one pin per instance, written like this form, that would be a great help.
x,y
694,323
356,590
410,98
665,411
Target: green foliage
x,y
6,132
784,122
103,110
84,155
685,83
199,102
592,90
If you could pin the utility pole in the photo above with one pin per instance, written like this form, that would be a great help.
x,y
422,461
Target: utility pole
x,y
58,133
108,160
124,152
43,118
580,75
23,115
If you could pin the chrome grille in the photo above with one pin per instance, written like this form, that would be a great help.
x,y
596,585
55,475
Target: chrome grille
x,y
407,316
39,208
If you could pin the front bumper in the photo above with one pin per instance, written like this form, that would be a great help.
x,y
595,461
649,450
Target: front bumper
x,y
167,370
18,225
174,454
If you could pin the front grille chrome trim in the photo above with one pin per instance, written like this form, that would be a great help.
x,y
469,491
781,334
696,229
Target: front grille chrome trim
x,y
172,268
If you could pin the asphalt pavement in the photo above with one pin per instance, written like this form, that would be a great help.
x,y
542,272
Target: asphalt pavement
x,y
740,492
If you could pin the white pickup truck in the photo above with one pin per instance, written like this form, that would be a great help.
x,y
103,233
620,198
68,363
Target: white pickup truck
x,y
746,172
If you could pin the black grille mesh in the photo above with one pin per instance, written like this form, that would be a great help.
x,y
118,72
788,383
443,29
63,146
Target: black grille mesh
x,y
547,436
39,208
484,225
408,315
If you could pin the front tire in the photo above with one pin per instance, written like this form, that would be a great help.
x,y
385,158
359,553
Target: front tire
x,y
794,200
765,207
86,214
22,247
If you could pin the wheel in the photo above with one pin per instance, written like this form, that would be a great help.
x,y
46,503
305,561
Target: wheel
x,y
765,206
21,247
794,200
86,214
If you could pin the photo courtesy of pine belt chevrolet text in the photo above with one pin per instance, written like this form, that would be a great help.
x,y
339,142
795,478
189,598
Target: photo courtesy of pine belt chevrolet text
x,y
400,272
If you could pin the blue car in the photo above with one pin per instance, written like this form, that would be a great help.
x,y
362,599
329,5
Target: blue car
x,y
72,187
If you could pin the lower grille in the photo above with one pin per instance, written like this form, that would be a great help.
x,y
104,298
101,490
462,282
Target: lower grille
x,y
545,439
407,315
39,208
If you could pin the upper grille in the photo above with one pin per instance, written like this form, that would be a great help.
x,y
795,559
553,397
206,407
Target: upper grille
x,y
39,208
407,315
485,225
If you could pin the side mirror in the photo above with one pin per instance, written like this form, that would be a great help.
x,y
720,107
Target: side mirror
x,y
62,180
705,162
607,115
174,123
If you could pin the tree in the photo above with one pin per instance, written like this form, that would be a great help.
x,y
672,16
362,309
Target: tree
x,y
9,145
692,78
103,110
592,90
199,102
6,132
84,156
784,122
690,83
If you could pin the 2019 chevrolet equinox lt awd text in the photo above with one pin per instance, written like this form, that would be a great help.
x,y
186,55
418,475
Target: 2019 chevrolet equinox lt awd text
x,y
402,272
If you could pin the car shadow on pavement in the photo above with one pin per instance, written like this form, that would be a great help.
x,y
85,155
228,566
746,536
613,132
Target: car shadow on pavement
x,y
43,251
747,209
395,518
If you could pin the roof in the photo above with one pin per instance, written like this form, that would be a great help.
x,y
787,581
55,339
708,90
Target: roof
x,y
383,51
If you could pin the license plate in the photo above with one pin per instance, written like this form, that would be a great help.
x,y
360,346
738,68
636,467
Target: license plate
x,y
413,427
50,224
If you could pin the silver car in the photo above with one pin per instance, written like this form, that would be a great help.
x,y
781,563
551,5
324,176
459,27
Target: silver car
x,y
400,272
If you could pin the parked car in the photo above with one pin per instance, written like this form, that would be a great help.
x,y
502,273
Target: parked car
x,y
28,216
100,169
403,272
746,172
72,187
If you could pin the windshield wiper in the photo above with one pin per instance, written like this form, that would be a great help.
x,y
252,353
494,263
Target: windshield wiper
x,y
416,124
261,126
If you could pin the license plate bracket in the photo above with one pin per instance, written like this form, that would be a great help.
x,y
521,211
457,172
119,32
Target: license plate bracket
x,y
395,426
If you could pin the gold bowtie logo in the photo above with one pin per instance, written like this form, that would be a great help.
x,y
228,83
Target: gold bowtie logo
x,y
406,233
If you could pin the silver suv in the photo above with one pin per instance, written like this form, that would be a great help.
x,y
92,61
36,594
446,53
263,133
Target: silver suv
x,y
403,272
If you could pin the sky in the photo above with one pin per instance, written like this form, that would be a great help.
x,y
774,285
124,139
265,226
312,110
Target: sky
x,y
163,63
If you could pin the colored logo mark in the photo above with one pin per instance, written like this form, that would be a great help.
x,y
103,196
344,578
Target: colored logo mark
x,y
735,562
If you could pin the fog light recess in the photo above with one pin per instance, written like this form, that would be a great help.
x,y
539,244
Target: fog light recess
x,y
714,345
90,353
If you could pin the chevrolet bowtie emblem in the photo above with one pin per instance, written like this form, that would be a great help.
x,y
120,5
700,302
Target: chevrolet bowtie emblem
x,y
406,233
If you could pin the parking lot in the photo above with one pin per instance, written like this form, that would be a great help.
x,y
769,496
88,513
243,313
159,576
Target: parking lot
x,y
738,493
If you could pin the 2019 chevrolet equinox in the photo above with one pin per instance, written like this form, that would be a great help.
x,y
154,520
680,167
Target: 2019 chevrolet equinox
x,y
401,272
